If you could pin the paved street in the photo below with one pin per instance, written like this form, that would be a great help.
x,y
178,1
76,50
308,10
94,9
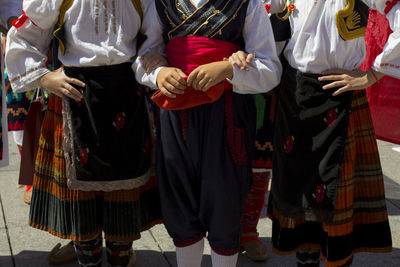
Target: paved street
x,y
22,246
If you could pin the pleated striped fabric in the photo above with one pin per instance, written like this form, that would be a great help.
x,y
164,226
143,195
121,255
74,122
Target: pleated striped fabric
x,y
360,222
79,215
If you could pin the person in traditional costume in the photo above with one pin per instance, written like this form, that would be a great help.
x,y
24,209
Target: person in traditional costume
x,y
94,162
205,138
327,197
254,202
383,96
10,119
17,103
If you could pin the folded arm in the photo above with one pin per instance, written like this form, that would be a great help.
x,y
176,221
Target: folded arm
x,y
154,43
264,71
388,62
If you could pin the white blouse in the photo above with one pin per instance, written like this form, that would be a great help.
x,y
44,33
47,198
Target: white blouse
x,y
98,32
315,45
265,71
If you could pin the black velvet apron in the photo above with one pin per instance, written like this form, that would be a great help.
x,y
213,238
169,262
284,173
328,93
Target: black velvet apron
x,y
109,128
310,133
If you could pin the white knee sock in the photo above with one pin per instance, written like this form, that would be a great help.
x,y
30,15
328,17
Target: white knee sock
x,y
190,256
223,261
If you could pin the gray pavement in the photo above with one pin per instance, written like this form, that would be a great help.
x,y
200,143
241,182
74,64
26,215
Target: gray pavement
x,y
22,246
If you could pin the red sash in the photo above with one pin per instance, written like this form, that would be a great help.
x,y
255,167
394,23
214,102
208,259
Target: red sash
x,y
187,53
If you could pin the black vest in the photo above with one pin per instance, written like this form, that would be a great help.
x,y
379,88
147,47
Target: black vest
x,y
219,19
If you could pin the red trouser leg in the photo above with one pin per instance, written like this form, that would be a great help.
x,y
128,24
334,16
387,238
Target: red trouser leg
x,y
28,187
253,206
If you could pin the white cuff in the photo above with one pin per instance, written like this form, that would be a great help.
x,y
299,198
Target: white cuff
x,y
237,76
392,70
29,81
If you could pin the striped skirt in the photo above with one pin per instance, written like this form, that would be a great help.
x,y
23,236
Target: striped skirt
x,y
360,222
79,215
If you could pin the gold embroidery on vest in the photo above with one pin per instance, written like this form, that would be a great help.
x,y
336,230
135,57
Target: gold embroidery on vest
x,y
228,21
348,22
216,12
177,5
66,4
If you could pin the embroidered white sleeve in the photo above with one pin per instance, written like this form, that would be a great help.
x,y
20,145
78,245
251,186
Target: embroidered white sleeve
x,y
388,62
152,28
265,71
44,13
27,46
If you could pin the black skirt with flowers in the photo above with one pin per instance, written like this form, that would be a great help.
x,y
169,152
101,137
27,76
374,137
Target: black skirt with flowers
x,y
310,134
109,127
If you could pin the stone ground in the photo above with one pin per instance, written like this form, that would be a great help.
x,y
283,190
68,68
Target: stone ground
x,y
22,246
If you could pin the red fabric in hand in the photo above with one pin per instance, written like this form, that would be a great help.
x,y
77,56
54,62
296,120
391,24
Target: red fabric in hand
x,y
188,53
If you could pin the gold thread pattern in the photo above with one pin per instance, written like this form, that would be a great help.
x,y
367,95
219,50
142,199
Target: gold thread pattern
x,y
229,20
204,20
64,7
348,22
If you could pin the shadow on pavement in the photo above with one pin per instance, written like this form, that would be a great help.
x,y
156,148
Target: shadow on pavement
x,y
392,191
29,258
363,259
391,259
149,258
394,211
145,258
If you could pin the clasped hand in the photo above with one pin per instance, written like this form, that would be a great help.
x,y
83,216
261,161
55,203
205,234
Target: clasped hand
x,y
172,81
